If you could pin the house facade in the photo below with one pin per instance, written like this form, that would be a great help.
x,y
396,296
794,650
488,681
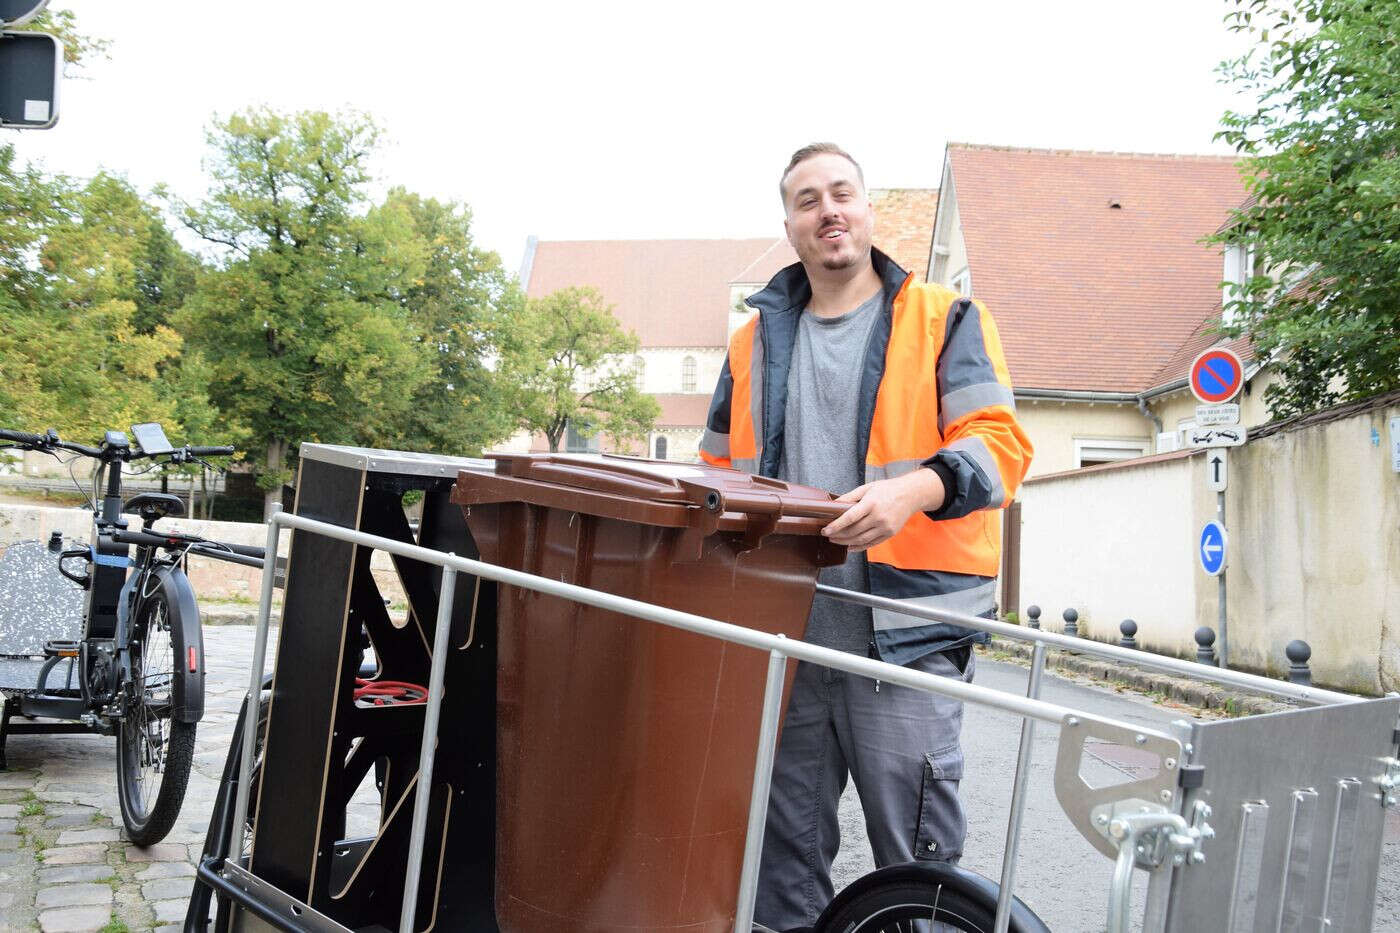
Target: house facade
x,y
673,294
1093,267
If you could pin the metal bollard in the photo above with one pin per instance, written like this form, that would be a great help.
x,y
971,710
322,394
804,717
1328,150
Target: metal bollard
x,y
1033,615
1129,628
1205,645
1071,623
1299,652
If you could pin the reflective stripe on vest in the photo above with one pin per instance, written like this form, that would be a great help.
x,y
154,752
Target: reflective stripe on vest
x,y
746,403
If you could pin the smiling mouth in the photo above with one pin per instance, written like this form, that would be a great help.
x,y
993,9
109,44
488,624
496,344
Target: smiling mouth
x,y
832,234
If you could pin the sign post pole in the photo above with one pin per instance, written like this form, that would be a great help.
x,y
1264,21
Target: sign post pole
x,y
1216,376
1222,658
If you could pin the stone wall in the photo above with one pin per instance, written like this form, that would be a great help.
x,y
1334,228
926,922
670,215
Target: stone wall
x,y
1313,513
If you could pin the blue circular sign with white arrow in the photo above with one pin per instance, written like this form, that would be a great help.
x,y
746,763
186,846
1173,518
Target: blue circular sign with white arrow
x,y
1211,551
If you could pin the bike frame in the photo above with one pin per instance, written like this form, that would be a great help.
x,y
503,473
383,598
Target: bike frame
x,y
118,585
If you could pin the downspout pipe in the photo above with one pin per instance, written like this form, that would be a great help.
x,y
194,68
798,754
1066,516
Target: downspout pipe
x,y
1149,414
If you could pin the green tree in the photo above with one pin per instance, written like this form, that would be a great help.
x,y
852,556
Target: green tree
x,y
78,48
28,202
200,422
560,360
457,307
1324,211
304,322
89,278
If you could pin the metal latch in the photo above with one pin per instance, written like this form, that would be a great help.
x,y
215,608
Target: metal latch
x,y
1389,782
1147,835
1158,834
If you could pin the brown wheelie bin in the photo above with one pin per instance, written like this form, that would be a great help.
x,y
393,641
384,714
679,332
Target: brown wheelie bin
x,y
625,749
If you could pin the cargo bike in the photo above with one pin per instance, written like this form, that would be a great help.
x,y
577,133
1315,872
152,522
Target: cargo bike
x,y
104,636
583,746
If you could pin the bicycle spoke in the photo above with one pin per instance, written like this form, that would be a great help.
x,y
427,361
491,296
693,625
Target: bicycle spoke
x,y
152,704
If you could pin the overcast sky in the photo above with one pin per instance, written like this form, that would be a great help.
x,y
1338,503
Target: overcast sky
x,y
590,120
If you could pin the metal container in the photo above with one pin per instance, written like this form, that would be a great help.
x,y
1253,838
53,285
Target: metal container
x,y
625,751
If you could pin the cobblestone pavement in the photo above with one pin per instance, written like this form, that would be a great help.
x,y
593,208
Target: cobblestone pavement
x,y
64,864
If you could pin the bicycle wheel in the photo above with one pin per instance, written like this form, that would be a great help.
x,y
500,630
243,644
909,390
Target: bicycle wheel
x,y
154,751
910,907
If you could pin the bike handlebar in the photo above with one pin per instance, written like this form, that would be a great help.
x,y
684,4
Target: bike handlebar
x,y
51,440
247,550
150,539
20,437
176,540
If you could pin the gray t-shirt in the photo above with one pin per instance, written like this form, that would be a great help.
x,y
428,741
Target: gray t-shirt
x,y
819,449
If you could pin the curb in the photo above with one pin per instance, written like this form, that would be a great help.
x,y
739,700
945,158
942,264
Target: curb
x,y
1180,689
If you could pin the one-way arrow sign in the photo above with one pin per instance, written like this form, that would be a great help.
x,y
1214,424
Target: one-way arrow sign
x,y
1216,464
1212,548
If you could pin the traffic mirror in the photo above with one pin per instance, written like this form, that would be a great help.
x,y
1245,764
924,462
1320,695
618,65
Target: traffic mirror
x,y
31,66
19,12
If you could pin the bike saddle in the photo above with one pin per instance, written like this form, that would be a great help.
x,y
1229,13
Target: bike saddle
x,y
153,505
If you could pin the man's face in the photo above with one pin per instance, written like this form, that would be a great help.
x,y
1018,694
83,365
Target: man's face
x,y
829,218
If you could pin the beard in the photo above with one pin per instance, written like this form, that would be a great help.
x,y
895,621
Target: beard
x,y
855,251
840,261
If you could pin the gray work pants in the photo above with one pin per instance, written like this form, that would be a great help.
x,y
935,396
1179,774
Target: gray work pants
x,y
901,747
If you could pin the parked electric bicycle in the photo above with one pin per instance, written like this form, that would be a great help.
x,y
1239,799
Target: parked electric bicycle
x,y
135,656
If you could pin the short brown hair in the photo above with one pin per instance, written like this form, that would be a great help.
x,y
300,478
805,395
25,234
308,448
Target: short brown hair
x,y
805,153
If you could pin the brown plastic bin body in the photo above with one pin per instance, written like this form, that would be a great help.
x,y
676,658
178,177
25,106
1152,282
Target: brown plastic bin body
x,y
625,749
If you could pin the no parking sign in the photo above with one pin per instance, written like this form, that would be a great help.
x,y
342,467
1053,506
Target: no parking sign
x,y
1216,376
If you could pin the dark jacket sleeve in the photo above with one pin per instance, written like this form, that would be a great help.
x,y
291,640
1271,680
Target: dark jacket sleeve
x,y
985,451
714,445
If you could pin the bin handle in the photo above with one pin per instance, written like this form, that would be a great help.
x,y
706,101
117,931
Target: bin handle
x,y
699,505
768,504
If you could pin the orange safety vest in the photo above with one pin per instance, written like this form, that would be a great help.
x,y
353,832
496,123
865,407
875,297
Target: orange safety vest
x,y
939,384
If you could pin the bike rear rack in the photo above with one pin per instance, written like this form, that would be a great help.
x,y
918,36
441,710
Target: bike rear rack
x,y
1207,803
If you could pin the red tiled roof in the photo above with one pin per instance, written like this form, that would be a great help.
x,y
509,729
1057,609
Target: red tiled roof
x,y
671,293
904,225
778,256
1202,338
1088,296
687,410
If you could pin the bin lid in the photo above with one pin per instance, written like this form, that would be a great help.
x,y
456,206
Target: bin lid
x,y
653,492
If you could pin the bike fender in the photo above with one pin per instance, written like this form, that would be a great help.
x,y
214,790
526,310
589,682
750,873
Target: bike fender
x,y
187,692
968,883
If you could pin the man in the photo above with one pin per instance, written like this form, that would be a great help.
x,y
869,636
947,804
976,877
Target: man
x,y
855,379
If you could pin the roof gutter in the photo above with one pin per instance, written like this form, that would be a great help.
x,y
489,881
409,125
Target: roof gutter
x,y
1076,395
1117,398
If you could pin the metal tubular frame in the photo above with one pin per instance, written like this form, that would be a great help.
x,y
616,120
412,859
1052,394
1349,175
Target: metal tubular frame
x,y
428,749
1098,649
1018,797
1031,708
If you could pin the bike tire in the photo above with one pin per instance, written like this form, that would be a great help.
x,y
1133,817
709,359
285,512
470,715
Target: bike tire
x,y
898,906
154,750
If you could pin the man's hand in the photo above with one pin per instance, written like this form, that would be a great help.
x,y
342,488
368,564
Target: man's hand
x,y
881,508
